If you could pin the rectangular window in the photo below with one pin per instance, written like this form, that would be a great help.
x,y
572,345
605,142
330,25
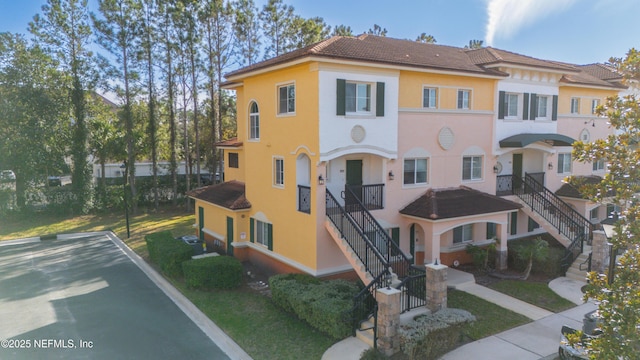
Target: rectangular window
x,y
278,172
287,99
358,97
262,233
564,163
575,105
598,165
593,214
429,98
492,230
613,211
463,99
463,233
233,160
511,103
415,171
472,168
532,225
542,107
594,105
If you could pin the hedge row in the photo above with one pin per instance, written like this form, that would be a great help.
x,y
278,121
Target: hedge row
x,y
216,272
322,304
167,252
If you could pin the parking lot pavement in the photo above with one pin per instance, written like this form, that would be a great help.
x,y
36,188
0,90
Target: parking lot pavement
x,y
84,298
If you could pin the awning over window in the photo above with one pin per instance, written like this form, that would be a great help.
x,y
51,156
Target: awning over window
x,y
522,140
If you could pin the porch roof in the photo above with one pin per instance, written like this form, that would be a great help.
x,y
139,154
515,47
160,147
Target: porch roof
x,y
572,188
522,140
230,195
438,204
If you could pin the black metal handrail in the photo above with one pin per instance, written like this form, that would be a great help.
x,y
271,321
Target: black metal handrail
x,y
371,195
379,237
304,199
375,262
364,303
558,213
587,262
414,291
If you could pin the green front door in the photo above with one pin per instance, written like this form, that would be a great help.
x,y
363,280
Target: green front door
x,y
354,181
229,235
517,171
201,223
412,242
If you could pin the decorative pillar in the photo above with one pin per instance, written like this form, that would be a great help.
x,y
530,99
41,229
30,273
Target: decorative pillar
x,y
388,320
502,250
436,287
600,250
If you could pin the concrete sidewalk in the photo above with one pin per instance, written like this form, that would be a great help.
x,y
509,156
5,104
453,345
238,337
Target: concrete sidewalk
x,y
533,341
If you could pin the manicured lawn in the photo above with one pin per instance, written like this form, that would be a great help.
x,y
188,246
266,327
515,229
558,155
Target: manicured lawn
x,y
490,318
535,293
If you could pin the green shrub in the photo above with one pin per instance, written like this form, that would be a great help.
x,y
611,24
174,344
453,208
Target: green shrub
x,y
322,304
372,354
216,272
432,335
167,252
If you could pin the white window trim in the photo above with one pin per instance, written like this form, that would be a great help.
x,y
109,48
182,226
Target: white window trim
x,y
256,139
372,99
518,115
464,241
416,184
295,100
596,164
437,100
547,116
563,154
274,175
469,103
577,99
265,233
472,179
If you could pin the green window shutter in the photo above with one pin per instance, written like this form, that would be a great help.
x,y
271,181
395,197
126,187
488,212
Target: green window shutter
x,y
229,235
514,223
395,236
554,110
525,107
270,237
251,231
380,99
412,241
534,107
341,93
501,104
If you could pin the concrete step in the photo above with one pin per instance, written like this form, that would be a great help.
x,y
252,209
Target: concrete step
x,y
577,277
366,336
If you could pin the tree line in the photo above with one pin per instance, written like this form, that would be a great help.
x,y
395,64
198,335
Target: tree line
x,y
164,61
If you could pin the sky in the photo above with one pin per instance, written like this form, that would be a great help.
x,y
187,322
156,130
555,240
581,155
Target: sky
x,y
573,31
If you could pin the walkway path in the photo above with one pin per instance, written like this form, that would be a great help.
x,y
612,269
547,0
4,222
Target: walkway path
x,y
533,341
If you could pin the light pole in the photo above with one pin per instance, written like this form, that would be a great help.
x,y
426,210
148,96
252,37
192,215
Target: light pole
x,y
124,195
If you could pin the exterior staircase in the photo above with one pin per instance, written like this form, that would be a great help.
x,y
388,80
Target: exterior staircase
x,y
562,221
578,270
376,259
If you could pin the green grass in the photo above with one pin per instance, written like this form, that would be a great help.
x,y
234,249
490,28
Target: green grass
x,y
250,319
535,293
490,318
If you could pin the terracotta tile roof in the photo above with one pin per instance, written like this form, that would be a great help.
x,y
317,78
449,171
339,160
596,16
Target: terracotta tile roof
x,y
381,50
437,204
233,142
571,189
230,195
587,78
601,71
492,56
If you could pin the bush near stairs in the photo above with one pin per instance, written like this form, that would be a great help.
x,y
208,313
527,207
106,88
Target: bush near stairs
x,y
324,305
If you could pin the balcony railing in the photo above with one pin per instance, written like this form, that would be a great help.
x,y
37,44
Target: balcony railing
x,y
370,196
304,199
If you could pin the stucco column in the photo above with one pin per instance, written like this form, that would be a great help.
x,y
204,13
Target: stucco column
x,y
502,251
436,287
432,249
388,320
600,252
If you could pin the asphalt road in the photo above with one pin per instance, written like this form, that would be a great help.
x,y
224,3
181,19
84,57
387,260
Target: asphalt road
x,y
84,298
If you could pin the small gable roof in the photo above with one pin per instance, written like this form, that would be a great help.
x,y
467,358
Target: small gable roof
x,y
230,195
572,189
437,204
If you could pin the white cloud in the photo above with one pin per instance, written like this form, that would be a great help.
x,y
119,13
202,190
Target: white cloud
x,y
507,17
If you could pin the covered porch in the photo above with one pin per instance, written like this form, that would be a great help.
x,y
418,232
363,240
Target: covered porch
x,y
443,222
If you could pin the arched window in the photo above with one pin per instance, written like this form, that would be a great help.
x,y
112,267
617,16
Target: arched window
x,y
254,121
